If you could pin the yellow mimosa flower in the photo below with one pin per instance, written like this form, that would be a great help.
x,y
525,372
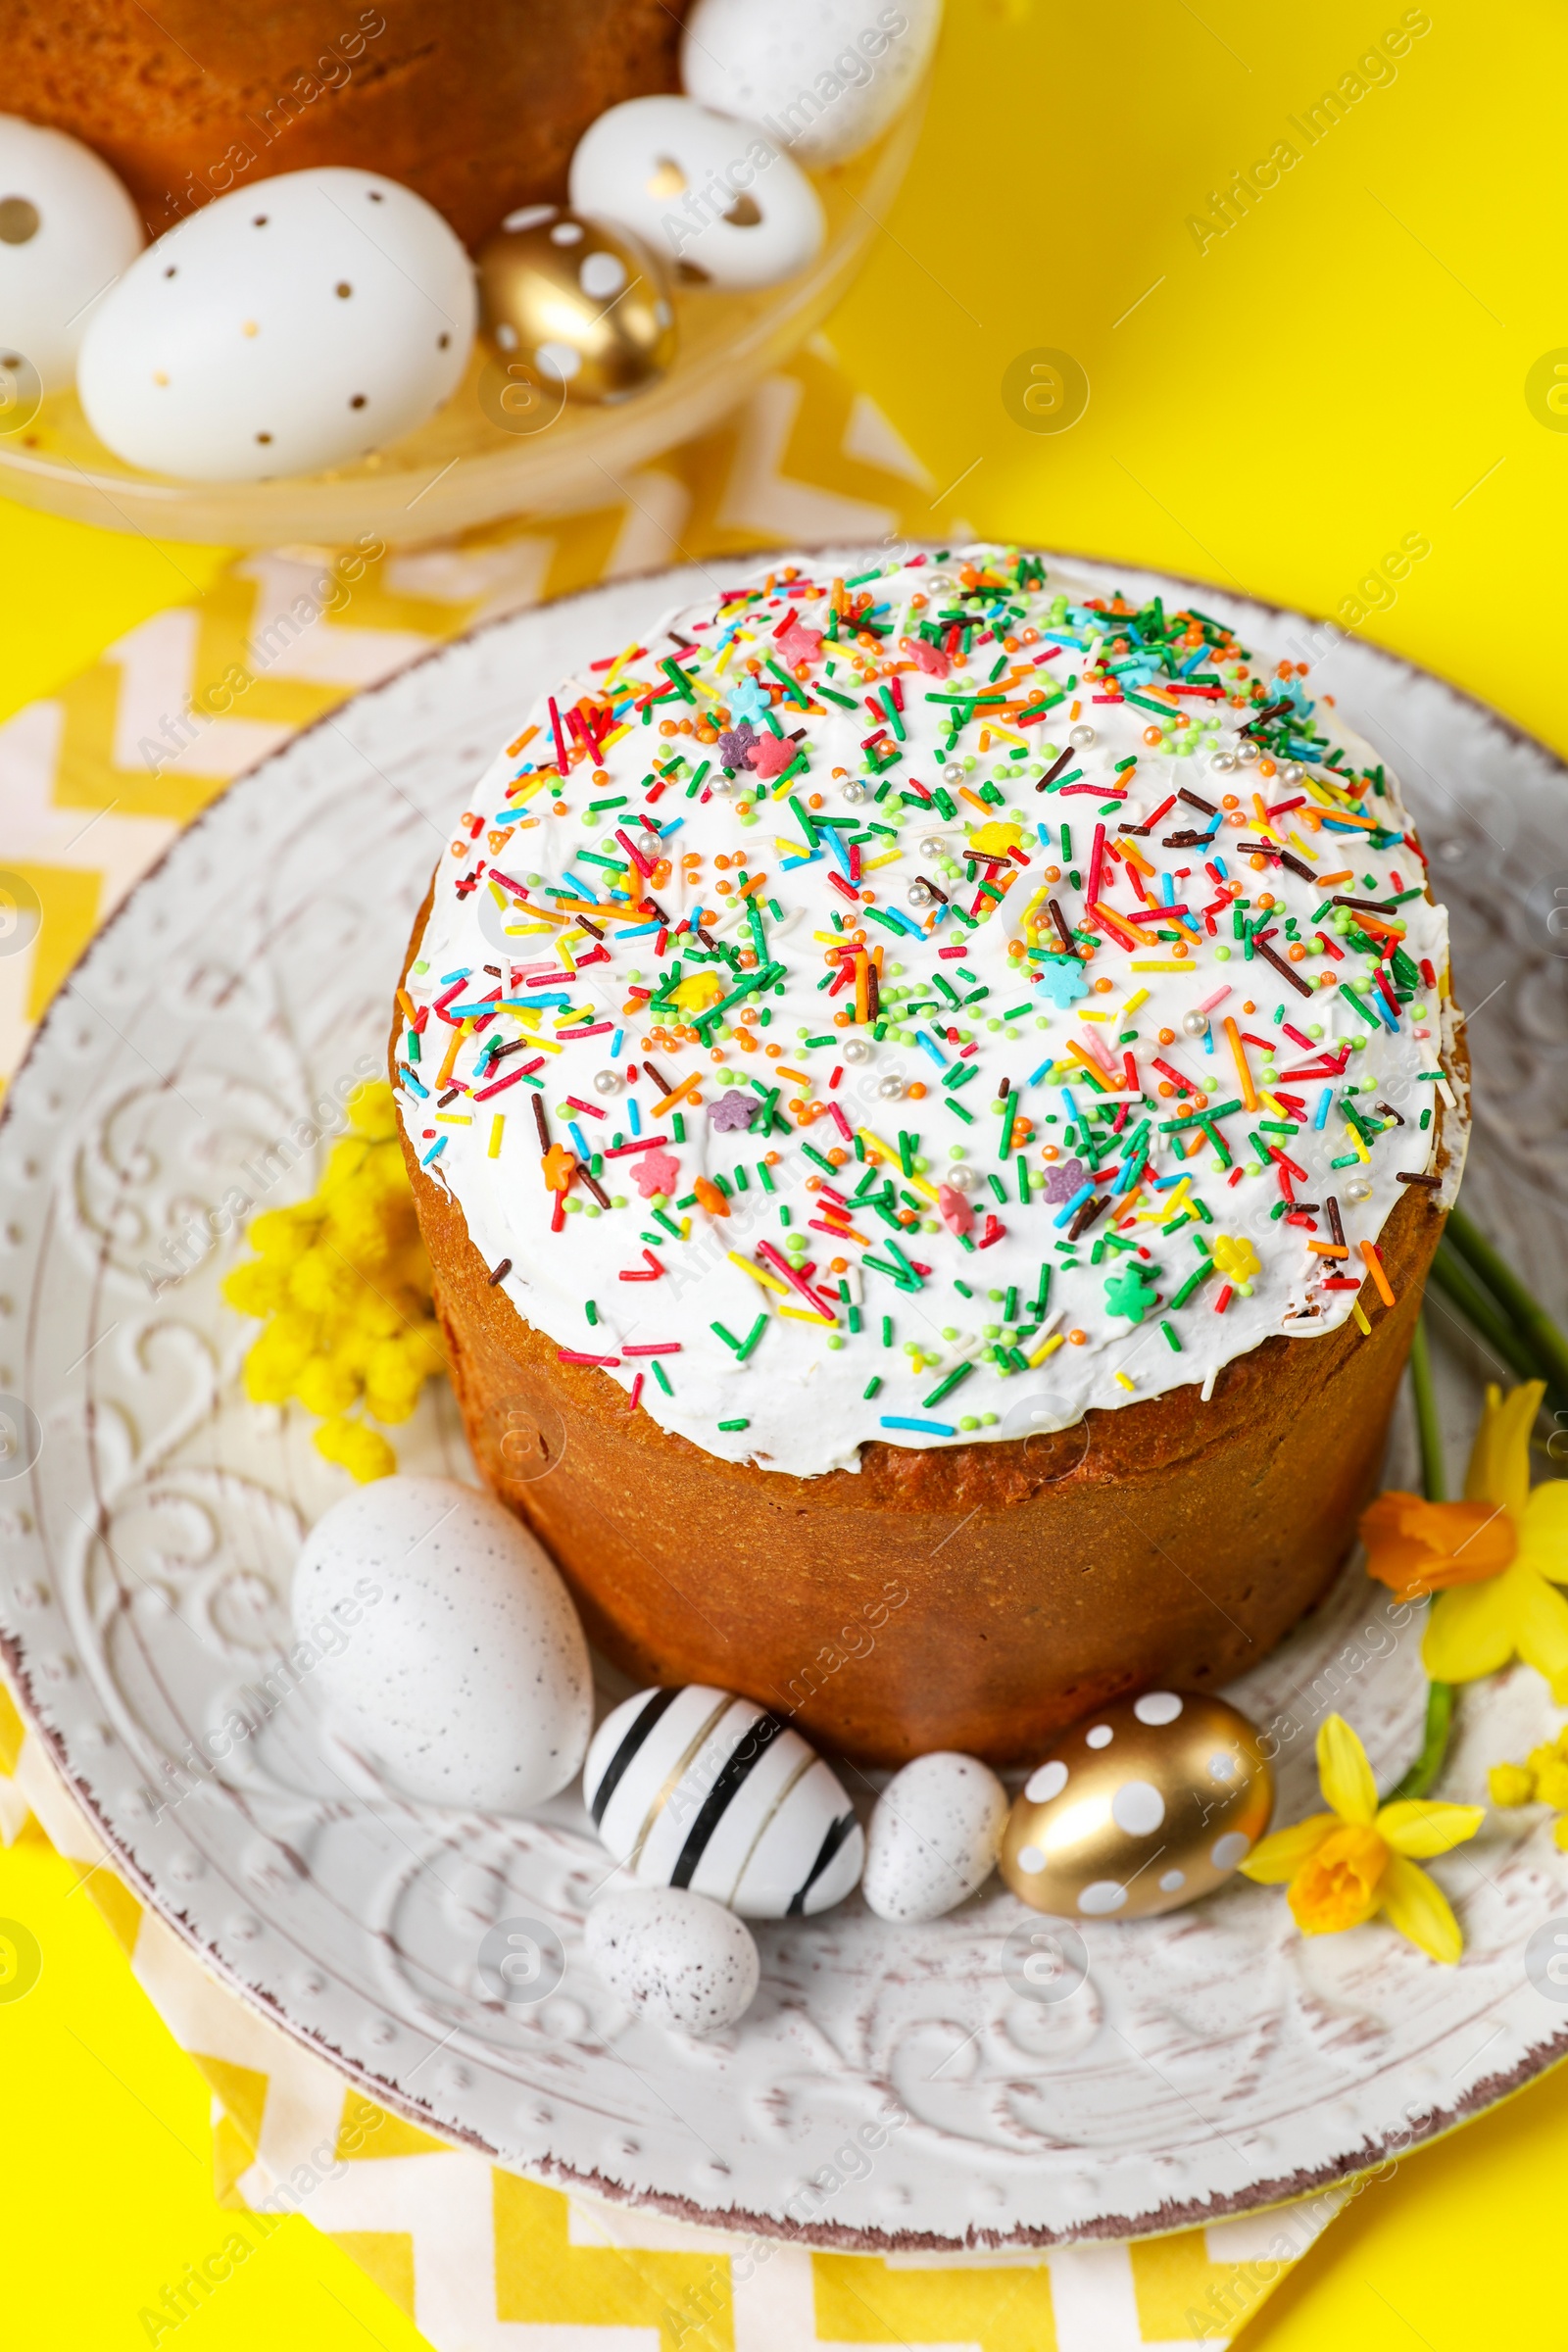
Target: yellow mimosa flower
x,y
343,1284
1543,1778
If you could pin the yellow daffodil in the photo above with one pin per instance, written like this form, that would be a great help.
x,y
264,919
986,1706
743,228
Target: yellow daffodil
x,y
1341,1868
1495,1560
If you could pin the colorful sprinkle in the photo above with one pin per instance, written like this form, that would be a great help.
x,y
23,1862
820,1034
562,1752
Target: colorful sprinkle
x,y
858,913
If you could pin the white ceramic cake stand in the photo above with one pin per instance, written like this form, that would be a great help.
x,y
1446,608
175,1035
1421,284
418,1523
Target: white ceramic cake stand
x,y
1212,2061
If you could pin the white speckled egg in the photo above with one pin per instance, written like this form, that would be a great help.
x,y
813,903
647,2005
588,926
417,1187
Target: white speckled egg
x,y
445,1644
693,1788
68,228
824,77
674,1956
289,326
718,197
1139,1808
933,1837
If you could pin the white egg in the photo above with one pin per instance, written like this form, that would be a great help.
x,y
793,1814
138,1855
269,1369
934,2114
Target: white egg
x,y
720,197
934,1837
674,1956
68,228
292,326
823,78
693,1788
446,1644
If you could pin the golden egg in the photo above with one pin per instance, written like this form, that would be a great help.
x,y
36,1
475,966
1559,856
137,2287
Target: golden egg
x,y
584,305
1138,1808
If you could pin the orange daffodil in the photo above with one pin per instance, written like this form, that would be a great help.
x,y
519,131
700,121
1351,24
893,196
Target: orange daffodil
x,y
1494,1561
1343,1867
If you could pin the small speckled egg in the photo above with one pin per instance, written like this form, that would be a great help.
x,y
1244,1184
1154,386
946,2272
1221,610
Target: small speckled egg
x,y
292,326
720,198
675,1957
693,1788
445,1644
68,228
1139,1808
933,1837
585,304
824,77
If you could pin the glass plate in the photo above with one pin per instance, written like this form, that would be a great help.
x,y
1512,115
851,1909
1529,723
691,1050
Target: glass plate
x,y
462,468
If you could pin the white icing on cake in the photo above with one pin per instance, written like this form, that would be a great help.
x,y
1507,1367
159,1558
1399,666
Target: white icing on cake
x,y
492,960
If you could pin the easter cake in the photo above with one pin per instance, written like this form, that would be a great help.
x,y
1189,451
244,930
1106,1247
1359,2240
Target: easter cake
x,y
931,1095
477,109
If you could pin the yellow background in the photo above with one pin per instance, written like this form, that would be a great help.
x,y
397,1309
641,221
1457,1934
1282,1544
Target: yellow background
x,y
1344,366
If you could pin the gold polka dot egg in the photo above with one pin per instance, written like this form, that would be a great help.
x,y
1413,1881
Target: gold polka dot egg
x,y
1142,1806
583,305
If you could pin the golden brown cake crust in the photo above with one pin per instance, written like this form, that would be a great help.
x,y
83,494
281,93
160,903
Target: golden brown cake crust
x,y
478,106
970,1597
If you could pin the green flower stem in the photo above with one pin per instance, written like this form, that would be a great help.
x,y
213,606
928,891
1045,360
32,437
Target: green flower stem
x,y
1536,1327
1423,1772
1452,1276
1434,1478
1519,1330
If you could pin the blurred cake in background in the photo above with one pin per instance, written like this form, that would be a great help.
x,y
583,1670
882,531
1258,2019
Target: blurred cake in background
x,y
477,107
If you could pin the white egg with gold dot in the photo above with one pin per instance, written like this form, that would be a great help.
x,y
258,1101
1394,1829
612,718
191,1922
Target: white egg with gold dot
x,y
720,198
68,228
293,325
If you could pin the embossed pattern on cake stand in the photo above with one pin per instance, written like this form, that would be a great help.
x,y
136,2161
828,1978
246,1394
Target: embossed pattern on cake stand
x,y
1213,2061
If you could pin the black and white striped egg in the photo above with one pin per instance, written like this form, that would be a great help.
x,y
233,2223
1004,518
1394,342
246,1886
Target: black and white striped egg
x,y
693,1788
